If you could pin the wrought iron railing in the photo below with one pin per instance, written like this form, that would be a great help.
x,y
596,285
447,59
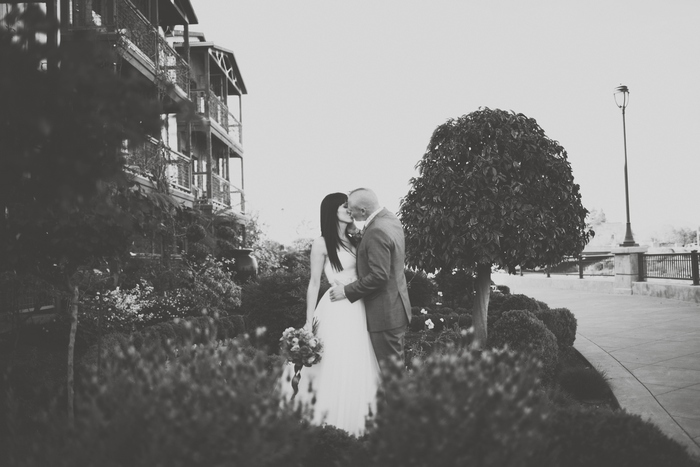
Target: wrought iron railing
x,y
137,33
219,112
587,265
680,266
152,157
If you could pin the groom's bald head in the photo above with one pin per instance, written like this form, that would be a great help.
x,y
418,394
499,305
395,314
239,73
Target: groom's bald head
x,y
362,202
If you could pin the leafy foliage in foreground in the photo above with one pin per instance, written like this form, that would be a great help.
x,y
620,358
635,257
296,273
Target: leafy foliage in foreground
x,y
460,408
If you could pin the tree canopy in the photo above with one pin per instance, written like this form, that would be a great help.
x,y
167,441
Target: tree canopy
x,y
492,189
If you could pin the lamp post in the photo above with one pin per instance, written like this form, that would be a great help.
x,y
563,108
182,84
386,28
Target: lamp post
x,y
622,93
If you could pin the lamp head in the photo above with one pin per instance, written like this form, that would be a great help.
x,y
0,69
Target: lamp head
x,y
623,94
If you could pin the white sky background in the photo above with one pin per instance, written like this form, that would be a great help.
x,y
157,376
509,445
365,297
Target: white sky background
x,y
347,94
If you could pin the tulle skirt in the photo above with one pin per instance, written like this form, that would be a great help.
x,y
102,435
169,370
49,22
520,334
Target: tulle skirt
x,y
342,388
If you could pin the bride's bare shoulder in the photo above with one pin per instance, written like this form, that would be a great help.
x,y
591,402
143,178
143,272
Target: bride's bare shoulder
x,y
319,245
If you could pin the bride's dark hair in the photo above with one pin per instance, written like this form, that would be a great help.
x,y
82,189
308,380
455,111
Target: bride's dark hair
x,y
329,226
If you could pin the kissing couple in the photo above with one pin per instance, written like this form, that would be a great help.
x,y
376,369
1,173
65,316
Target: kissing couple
x,y
362,319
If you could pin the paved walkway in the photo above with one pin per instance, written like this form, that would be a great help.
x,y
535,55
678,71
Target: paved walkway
x,y
649,348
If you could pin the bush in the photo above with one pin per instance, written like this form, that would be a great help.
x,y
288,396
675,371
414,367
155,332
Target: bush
x,y
175,333
459,408
277,301
199,405
334,447
457,287
561,322
587,437
463,311
421,290
496,299
504,289
465,321
584,383
519,302
520,330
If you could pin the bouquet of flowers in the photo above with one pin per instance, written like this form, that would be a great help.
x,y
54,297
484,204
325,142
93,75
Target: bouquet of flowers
x,y
302,348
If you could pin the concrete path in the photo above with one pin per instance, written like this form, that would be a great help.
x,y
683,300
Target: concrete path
x,y
649,348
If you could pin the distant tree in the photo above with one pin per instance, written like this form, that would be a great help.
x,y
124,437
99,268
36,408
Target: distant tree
x,y
596,218
684,236
492,189
65,200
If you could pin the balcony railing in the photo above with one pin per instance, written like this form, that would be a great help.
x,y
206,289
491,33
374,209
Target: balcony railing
x,y
123,17
219,112
152,158
220,190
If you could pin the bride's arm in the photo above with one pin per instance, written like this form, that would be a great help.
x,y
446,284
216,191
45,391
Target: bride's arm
x,y
318,258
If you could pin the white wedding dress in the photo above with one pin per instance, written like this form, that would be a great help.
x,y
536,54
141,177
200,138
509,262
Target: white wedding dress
x,y
344,383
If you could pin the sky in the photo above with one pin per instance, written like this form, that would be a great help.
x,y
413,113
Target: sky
x,y
347,94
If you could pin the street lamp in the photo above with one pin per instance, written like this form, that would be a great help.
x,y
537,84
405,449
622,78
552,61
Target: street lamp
x,y
623,94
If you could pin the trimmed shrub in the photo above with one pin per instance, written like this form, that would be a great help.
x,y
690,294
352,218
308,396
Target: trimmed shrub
x,y
496,299
421,289
201,405
519,302
520,330
579,437
504,289
444,310
584,383
562,323
459,408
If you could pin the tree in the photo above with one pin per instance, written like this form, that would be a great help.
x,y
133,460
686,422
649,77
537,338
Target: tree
x,y
64,196
492,189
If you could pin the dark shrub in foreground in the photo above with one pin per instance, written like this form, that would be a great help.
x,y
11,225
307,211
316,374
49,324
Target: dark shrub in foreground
x,y
561,322
586,437
212,404
520,330
458,408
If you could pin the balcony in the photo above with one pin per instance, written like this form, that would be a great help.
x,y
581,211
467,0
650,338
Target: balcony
x,y
135,34
219,113
152,160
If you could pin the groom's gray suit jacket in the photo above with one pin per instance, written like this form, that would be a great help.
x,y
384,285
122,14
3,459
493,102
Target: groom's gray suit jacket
x,y
380,270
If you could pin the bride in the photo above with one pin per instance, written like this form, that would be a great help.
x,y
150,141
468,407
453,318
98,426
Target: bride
x,y
344,383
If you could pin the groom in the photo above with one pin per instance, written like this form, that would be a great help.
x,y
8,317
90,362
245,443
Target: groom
x,y
381,280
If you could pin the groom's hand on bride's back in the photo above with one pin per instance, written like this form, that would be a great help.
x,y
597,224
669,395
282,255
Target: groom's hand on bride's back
x,y
337,292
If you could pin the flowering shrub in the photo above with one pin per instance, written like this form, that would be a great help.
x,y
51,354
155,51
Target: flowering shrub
x,y
459,408
189,289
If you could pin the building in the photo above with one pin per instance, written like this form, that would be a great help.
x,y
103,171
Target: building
x,y
153,43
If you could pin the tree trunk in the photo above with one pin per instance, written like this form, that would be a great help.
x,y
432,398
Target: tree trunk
x,y
73,309
481,305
